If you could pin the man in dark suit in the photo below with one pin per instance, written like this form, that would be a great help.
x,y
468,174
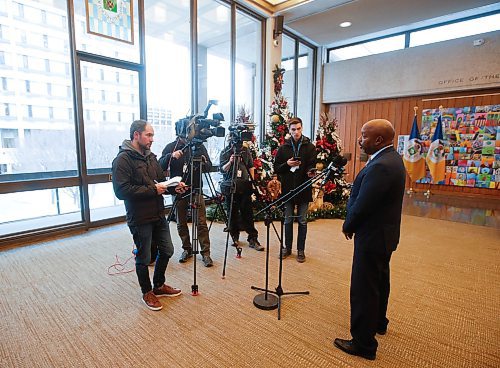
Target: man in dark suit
x,y
374,218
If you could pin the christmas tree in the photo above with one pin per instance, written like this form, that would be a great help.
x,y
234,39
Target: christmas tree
x,y
330,200
276,133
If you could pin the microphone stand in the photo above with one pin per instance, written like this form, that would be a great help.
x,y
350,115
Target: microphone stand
x,y
266,300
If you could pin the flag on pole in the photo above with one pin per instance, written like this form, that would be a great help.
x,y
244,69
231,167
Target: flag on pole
x,y
412,155
435,155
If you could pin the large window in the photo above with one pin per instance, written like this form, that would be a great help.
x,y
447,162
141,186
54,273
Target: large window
x,y
248,72
288,63
104,132
38,209
417,37
455,30
368,48
298,59
66,107
36,130
214,64
168,65
305,85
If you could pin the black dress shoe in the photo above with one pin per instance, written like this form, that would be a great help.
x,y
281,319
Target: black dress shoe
x,y
381,331
349,347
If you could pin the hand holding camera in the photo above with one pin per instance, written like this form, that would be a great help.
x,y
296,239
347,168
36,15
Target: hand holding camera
x,y
177,154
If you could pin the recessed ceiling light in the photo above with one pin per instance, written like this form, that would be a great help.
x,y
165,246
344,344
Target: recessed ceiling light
x,y
345,24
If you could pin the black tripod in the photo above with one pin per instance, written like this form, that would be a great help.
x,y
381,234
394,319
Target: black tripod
x,y
234,173
194,167
266,300
237,158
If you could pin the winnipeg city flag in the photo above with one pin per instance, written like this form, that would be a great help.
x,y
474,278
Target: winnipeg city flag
x,y
412,156
435,155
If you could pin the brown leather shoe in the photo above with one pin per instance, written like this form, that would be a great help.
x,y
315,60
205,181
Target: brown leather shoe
x,y
349,347
151,301
166,290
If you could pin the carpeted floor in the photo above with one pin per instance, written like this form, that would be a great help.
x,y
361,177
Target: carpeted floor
x,y
59,308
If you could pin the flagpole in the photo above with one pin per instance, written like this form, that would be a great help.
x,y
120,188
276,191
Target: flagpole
x,y
428,193
411,191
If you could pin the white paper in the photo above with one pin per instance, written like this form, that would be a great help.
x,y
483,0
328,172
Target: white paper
x,y
172,182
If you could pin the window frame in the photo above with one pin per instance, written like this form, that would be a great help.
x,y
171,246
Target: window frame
x,y
408,34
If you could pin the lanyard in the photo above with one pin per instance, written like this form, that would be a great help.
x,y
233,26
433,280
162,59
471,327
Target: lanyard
x,y
296,152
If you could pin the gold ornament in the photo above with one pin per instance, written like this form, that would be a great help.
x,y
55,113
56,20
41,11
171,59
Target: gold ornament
x,y
275,118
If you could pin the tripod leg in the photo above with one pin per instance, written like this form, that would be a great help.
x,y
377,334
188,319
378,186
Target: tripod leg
x,y
225,257
216,196
195,199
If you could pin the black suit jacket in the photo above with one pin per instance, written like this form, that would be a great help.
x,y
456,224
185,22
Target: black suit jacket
x,y
374,207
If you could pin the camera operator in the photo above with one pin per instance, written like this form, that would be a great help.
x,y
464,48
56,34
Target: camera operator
x,y
236,165
176,157
294,163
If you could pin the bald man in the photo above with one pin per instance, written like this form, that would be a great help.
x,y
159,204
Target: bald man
x,y
373,218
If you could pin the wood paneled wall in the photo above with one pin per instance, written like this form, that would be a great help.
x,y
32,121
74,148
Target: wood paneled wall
x,y
351,116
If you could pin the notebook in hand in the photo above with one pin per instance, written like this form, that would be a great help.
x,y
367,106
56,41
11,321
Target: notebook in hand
x,y
172,182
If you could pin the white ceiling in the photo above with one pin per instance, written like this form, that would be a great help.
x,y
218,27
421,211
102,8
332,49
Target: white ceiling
x,y
318,20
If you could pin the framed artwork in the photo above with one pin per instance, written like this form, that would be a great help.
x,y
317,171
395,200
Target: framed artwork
x,y
112,19
472,144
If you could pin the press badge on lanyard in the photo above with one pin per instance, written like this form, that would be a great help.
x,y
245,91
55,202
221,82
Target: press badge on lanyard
x,y
239,173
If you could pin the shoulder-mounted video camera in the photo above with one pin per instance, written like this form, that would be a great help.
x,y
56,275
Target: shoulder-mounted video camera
x,y
197,128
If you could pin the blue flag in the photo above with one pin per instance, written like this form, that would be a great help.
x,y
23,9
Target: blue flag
x,y
435,155
412,156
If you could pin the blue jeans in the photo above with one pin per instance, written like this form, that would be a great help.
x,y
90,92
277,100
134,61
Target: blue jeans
x,y
143,235
289,217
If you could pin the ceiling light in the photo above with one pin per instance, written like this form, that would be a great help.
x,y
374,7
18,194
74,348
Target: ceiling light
x,y
345,24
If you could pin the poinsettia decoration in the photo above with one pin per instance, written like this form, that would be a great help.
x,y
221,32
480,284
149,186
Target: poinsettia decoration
x,y
328,149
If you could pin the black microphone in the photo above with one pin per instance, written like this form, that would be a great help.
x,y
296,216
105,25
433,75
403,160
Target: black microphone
x,y
339,161
328,171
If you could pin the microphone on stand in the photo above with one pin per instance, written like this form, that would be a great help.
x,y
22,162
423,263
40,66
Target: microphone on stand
x,y
337,162
328,171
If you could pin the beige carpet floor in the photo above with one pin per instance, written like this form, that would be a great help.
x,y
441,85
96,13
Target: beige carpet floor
x,y
60,308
